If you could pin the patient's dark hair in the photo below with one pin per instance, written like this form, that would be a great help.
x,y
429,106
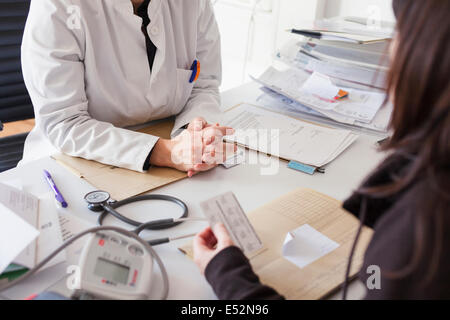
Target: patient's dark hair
x,y
419,88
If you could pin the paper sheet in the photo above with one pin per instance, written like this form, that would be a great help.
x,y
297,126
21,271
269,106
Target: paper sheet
x,y
41,214
71,225
26,206
284,104
305,245
286,137
234,160
50,237
20,202
16,234
226,209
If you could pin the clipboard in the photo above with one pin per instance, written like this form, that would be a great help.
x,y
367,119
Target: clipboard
x,y
122,183
302,206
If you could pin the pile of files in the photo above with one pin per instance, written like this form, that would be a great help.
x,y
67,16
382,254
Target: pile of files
x,y
339,77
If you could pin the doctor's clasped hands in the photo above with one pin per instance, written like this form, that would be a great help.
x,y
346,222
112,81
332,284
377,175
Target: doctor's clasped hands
x,y
198,148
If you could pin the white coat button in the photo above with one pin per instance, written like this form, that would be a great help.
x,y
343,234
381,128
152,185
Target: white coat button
x,y
154,30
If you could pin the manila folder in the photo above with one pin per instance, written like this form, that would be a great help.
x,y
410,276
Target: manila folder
x,y
123,183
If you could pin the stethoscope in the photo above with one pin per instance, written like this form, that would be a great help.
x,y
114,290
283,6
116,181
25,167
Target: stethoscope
x,y
99,201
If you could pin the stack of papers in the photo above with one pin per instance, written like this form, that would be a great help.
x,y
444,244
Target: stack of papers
x,y
284,105
285,137
305,88
373,55
365,64
357,26
350,37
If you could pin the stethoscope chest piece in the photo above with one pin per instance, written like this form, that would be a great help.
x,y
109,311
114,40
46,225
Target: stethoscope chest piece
x,y
97,200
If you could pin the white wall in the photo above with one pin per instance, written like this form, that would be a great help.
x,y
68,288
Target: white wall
x,y
234,23
360,8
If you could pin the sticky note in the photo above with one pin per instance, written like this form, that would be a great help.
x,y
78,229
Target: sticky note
x,y
301,167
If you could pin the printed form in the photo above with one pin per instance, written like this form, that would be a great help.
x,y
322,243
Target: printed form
x,y
286,137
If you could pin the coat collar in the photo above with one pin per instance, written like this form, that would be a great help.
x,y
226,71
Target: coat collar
x,y
126,7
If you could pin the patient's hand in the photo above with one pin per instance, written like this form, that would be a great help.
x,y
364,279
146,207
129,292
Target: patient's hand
x,y
198,148
208,243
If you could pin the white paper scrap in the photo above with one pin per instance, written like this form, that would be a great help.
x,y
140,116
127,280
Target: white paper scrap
x,y
321,86
305,245
234,160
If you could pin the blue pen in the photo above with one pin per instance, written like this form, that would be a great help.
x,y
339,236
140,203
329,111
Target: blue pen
x,y
58,195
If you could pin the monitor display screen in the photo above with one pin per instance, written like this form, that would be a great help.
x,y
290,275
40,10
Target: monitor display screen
x,y
112,271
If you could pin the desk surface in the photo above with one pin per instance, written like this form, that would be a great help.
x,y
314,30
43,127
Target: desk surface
x,y
250,187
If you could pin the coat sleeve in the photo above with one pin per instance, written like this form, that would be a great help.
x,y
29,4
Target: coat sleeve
x,y
53,68
205,98
232,278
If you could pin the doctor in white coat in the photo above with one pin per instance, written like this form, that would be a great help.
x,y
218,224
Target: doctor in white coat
x,y
95,67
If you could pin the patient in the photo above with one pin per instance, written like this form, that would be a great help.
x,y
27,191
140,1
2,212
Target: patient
x,y
407,199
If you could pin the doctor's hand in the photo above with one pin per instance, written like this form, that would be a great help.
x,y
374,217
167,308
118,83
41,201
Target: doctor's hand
x,y
197,124
211,132
215,151
193,151
208,243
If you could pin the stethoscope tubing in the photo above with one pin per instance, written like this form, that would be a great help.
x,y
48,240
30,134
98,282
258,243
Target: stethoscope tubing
x,y
110,208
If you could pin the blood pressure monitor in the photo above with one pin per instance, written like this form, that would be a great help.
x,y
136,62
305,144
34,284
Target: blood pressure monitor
x,y
115,267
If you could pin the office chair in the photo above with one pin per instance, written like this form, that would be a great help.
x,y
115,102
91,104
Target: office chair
x,y
15,103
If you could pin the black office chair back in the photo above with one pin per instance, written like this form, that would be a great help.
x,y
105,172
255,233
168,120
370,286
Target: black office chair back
x,y
15,103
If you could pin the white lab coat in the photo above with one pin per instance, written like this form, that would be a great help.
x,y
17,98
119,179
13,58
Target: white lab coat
x,y
87,84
